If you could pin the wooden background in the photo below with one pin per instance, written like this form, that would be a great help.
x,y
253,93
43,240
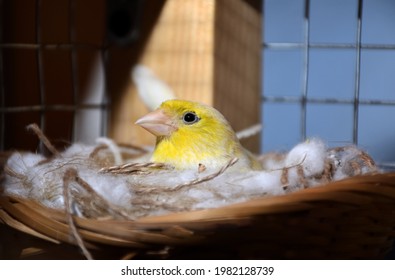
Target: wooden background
x,y
208,51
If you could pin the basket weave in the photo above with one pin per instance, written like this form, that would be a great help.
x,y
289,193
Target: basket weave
x,y
348,219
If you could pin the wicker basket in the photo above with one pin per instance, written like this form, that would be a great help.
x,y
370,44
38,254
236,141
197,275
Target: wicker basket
x,y
348,219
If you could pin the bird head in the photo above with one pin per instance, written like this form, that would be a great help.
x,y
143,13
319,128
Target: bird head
x,y
190,133
179,117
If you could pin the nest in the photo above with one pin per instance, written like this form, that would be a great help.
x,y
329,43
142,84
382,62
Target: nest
x,y
343,219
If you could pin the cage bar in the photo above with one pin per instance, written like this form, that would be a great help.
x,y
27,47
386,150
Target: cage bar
x,y
357,73
40,69
305,83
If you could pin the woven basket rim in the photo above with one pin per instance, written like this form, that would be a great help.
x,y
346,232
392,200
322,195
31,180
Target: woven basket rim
x,y
382,184
188,227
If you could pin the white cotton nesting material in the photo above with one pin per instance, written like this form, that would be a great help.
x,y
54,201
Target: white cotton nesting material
x,y
237,187
42,179
310,155
155,191
22,164
305,160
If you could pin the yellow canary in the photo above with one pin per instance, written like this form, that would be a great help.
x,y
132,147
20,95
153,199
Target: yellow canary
x,y
189,133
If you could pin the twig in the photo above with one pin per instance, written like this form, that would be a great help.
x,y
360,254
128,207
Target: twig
x,y
96,150
34,127
291,166
11,172
69,174
193,182
112,147
132,167
208,177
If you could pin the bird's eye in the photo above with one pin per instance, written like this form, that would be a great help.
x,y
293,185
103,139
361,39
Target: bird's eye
x,y
190,118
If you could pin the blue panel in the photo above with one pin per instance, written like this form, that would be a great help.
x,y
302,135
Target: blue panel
x,y
282,72
333,21
377,131
332,73
332,123
378,74
281,126
283,20
378,22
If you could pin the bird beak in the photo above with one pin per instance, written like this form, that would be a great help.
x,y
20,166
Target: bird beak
x,y
158,123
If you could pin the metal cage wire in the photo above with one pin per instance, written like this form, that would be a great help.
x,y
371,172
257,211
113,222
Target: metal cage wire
x,y
304,99
39,46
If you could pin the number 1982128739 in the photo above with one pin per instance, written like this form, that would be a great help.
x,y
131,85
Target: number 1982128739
x,y
247,270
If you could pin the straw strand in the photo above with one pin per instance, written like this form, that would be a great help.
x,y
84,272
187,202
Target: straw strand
x,y
70,173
